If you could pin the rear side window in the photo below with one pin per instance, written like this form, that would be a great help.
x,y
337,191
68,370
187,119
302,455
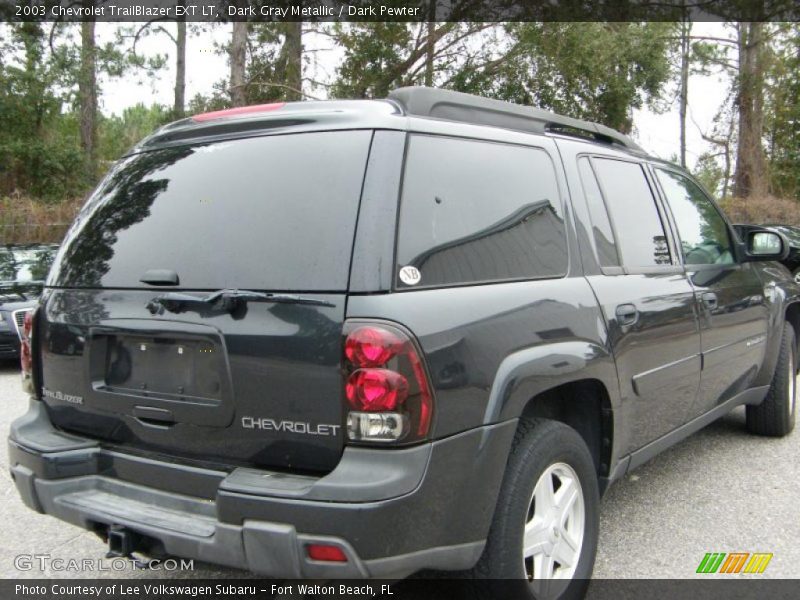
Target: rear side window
x,y
270,213
642,241
474,211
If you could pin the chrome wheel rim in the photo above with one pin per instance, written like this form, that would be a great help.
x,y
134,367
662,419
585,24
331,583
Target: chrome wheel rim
x,y
554,528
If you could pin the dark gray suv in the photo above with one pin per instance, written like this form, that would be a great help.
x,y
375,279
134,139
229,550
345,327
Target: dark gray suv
x,y
363,338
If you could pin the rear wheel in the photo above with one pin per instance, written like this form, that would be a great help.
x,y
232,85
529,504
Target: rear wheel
x,y
544,532
775,416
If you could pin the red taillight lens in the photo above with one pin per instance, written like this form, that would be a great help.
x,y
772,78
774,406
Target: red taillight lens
x,y
386,385
371,346
26,358
325,553
26,354
27,324
375,390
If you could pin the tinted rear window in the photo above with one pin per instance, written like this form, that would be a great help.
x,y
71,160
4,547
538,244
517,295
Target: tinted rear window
x,y
474,211
271,213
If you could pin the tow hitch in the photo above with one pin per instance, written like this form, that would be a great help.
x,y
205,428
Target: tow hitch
x,y
122,543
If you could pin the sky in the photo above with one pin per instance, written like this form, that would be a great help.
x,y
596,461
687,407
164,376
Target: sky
x,y
656,133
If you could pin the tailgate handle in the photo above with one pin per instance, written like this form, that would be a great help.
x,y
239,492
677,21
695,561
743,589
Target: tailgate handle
x,y
154,417
160,277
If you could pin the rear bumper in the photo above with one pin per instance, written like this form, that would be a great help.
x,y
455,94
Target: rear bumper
x,y
392,512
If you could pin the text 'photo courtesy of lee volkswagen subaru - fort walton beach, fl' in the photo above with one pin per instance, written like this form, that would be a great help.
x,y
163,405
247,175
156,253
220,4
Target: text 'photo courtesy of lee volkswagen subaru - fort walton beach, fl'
x,y
343,320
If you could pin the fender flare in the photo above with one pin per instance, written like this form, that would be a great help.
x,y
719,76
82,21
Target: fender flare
x,y
531,371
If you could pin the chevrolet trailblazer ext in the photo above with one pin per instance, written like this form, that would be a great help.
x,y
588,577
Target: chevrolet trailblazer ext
x,y
363,338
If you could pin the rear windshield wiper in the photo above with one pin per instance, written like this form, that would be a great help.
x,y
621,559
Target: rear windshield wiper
x,y
226,300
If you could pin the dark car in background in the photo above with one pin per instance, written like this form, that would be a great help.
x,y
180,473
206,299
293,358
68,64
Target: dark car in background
x,y
23,269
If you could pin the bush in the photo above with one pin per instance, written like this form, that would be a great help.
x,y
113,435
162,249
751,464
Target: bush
x,y
765,209
24,220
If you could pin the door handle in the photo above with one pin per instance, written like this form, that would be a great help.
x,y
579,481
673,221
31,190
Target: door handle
x,y
710,300
627,314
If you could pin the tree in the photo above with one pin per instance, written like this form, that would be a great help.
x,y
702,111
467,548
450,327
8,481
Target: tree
x,y
152,65
750,178
594,71
238,63
379,57
782,112
683,90
87,90
179,104
40,153
292,59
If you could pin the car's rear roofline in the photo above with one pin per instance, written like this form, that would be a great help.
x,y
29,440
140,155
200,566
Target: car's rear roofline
x,y
294,117
446,105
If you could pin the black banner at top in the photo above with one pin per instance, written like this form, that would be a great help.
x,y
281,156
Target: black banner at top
x,y
398,10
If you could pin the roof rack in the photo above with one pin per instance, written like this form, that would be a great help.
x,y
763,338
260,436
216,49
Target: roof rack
x,y
467,108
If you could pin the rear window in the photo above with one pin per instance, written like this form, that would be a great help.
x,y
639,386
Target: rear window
x,y
271,213
474,211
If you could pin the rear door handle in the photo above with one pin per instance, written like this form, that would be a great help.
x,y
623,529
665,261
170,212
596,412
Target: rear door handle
x,y
710,300
627,314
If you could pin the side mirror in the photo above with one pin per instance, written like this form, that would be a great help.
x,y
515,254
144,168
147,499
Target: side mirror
x,y
765,244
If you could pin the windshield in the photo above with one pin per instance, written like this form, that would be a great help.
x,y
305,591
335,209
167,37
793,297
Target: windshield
x,y
25,265
268,213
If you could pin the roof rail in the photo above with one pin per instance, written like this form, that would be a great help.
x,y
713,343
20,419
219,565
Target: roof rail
x,y
467,108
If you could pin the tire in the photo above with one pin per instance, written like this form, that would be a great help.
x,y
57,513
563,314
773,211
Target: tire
x,y
775,416
543,450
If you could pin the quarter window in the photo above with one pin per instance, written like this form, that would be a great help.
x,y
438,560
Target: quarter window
x,y
601,226
474,211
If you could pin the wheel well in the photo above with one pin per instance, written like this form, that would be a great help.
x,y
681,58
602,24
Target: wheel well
x,y
793,318
585,406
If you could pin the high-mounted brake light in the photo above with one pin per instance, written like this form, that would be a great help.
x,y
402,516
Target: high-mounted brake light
x,y
239,110
387,390
26,353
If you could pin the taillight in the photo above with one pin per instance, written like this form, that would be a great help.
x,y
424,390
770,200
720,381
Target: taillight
x,y
388,395
25,352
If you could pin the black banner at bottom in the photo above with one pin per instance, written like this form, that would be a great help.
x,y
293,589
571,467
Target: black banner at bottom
x,y
732,588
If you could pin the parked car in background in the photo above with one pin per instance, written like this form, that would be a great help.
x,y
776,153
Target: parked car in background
x,y
23,269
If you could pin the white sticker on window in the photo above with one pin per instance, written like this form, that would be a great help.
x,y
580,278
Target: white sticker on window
x,y
410,275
